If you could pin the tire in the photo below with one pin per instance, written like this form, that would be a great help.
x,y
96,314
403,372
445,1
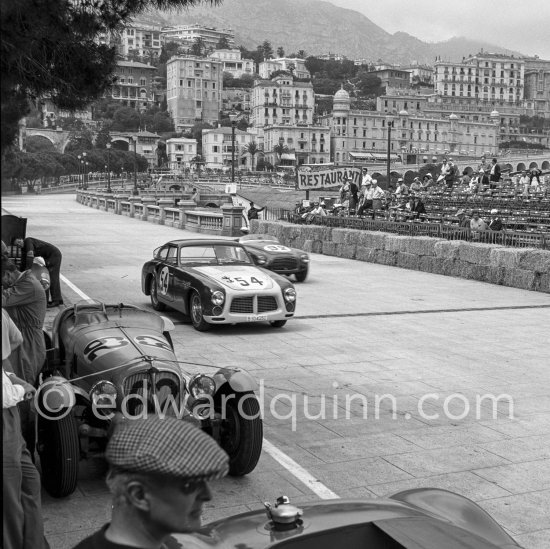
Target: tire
x,y
242,437
59,452
195,310
153,289
301,276
278,323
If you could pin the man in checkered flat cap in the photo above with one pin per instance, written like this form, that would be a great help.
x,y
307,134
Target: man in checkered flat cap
x,y
158,474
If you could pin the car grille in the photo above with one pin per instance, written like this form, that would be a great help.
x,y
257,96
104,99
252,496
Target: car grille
x,y
266,303
253,304
242,305
284,264
164,385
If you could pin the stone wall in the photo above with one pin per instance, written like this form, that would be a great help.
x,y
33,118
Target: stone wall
x,y
525,268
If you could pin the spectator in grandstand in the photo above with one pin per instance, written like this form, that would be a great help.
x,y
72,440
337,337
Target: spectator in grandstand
x,y
484,165
377,196
416,185
451,174
477,224
445,168
365,200
427,181
253,211
465,180
417,207
463,219
402,189
475,184
353,195
495,223
494,178
366,179
318,209
535,176
345,193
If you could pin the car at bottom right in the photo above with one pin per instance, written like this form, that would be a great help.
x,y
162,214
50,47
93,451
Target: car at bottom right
x,y
422,518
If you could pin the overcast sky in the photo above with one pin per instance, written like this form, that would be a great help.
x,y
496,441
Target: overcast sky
x,y
521,25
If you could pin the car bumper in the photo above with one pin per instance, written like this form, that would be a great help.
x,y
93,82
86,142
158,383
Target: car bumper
x,y
250,307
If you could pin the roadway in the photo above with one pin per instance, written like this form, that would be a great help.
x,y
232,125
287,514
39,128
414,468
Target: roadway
x,y
361,331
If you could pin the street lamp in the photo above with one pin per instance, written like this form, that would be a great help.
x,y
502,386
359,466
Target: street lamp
x,y
79,171
135,192
84,164
390,125
233,126
108,147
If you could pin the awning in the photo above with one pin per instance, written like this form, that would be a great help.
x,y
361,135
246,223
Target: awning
x,y
361,156
288,156
373,157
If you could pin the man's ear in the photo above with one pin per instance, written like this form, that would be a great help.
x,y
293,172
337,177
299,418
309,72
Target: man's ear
x,y
137,494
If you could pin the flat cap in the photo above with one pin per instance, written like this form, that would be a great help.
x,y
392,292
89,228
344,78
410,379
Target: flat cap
x,y
166,446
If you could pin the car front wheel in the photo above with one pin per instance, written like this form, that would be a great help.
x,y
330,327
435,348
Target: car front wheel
x,y
278,323
241,433
301,276
59,451
153,290
197,317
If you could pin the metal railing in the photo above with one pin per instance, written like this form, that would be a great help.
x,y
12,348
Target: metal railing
x,y
514,239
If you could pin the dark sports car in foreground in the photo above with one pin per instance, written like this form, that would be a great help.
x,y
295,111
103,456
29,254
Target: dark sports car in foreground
x,y
268,252
424,518
216,282
114,362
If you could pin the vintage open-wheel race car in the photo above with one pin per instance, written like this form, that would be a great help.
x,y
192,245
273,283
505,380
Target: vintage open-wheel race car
x,y
421,518
113,362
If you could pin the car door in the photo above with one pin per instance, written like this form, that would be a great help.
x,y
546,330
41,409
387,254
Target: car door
x,y
165,274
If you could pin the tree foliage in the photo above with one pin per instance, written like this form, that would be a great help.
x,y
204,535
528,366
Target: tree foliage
x,y
47,48
223,43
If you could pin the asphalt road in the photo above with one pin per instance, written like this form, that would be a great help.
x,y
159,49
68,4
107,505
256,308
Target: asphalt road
x,y
412,351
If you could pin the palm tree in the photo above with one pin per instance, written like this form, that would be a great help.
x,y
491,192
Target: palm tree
x,y
279,150
252,149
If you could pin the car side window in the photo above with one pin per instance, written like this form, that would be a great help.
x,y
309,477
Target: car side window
x,y
161,253
172,256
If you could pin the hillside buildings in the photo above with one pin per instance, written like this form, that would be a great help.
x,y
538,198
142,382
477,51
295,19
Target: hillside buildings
x,y
188,34
537,87
217,148
194,90
362,136
233,63
134,85
181,152
294,65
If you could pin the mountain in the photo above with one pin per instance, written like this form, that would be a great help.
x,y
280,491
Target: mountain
x,y
317,27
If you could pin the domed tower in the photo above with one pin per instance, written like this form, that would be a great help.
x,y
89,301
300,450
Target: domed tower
x,y
340,121
342,102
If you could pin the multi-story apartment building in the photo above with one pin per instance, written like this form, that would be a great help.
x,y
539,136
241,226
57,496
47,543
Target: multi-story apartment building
x,y
362,136
233,63
282,100
134,85
420,73
194,90
484,77
295,64
180,152
217,148
146,146
282,113
537,87
187,35
393,78
141,40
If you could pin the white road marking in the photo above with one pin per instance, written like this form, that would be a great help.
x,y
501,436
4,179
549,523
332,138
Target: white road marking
x,y
315,485
73,287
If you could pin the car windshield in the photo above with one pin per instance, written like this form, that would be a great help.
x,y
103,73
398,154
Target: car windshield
x,y
218,254
252,237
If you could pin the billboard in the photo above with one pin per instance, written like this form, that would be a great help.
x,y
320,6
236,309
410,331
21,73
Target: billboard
x,y
317,177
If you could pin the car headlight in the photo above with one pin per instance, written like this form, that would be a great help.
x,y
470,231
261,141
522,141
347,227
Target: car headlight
x,y
304,258
261,259
103,395
218,298
201,385
290,294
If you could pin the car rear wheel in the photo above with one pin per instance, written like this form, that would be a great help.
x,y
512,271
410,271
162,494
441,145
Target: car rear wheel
x,y
153,291
278,323
59,452
241,433
197,317
301,276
